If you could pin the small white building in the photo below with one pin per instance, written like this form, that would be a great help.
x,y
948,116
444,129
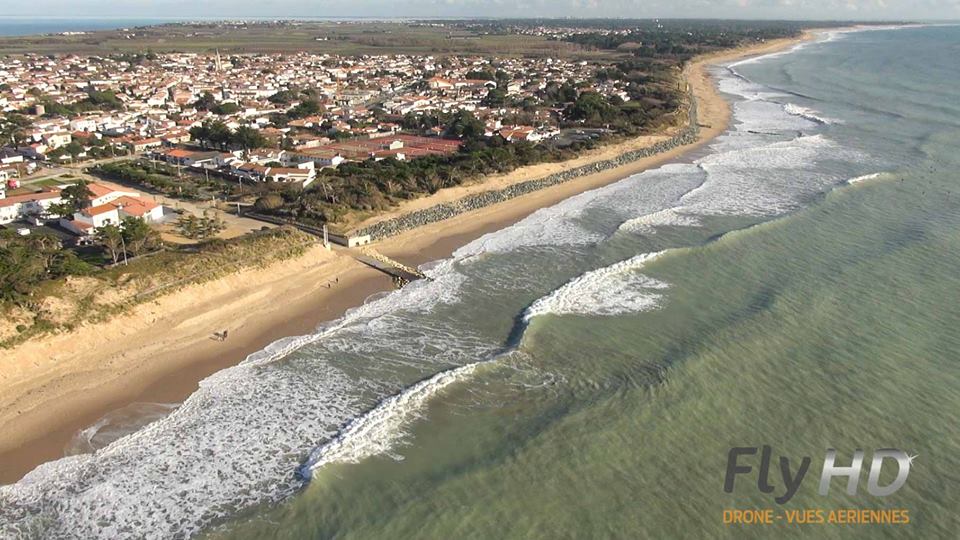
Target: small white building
x,y
58,139
27,206
292,174
104,194
88,220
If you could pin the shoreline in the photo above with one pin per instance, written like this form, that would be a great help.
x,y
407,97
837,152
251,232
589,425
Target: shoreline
x,y
44,390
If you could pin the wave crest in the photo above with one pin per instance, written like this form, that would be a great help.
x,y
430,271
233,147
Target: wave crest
x,y
381,429
865,178
611,290
807,113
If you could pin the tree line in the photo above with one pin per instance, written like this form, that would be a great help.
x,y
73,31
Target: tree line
x,y
215,133
377,185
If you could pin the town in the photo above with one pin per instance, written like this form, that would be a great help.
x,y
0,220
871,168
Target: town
x,y
231,129
161,167
270,117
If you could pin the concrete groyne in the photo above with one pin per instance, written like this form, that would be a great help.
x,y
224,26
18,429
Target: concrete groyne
x,y
439,212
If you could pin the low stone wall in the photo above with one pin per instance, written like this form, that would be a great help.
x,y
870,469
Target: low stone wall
x,y
390,227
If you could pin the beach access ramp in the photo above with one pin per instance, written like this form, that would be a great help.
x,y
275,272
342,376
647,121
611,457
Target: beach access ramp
x,y
401,273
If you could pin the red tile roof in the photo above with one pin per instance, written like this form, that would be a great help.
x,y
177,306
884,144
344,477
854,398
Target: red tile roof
x,y
98,210
134,206
41,196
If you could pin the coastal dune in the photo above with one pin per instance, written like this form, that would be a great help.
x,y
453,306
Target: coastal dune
x,y
54,386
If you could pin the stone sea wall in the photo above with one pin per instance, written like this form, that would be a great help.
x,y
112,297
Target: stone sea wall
x,y
390,227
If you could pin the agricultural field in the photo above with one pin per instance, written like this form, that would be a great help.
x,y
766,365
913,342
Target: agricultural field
x,y
354,38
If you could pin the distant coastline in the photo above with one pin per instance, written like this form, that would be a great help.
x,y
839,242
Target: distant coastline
x,y
30,26
14,26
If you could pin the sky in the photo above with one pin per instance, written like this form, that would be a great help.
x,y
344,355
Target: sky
x,y
731,9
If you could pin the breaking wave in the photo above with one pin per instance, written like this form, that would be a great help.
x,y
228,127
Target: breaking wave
x,y
668,217
380,431
612,290
808,113
865,178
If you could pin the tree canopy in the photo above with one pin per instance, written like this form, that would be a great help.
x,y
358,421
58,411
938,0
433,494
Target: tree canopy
x,y
26,261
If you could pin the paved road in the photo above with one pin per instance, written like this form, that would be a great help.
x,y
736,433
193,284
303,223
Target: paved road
x,y
72,168
45,175
95,162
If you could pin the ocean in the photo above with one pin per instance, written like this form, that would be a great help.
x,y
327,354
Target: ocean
x,y
12,25
585,372
27,26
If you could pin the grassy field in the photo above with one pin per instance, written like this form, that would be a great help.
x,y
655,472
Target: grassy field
x,y
317,37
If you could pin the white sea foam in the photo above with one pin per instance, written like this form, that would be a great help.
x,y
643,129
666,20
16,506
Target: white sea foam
x,y
668,217
768,56
865,178
564,224
757,175
808,113
769,117
765,180
612,290
733,83
116,424
551,226
381,430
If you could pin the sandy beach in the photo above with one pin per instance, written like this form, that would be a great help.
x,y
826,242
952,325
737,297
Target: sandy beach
x,y
52,387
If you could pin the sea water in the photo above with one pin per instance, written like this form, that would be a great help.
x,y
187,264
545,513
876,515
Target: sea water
x,y
585,372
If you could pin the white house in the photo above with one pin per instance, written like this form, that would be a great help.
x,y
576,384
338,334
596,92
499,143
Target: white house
x,y
265,155
288,174
104,194
8,156
189,158
83,124
250,171
88,220
25,206
56,140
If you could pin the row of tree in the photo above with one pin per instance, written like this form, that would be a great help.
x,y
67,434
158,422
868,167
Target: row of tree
x,y
207,102
96,100
378,185
215,133
153,175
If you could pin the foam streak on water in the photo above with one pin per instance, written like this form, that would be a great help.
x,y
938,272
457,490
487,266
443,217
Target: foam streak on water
x,y
865,178
612,290
381,430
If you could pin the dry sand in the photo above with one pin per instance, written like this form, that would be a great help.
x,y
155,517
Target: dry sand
x,y
52,387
